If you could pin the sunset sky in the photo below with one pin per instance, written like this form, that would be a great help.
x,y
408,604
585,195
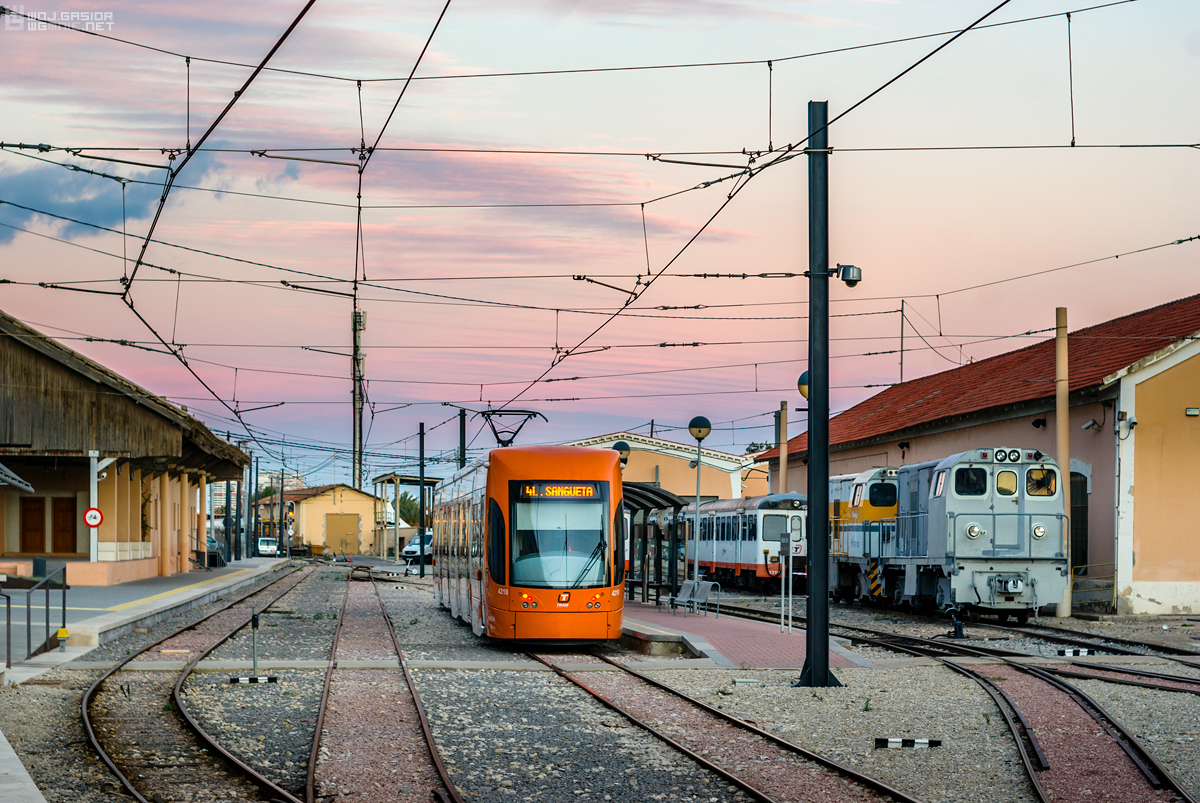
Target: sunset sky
x,y
470,252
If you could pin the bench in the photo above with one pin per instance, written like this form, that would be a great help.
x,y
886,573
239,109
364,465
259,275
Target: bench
x,y
683,598
703,592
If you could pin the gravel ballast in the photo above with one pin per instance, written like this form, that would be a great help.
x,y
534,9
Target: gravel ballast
x,y
978,760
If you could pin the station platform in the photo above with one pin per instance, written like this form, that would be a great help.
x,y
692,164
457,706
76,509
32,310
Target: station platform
x,y
96,614
726,640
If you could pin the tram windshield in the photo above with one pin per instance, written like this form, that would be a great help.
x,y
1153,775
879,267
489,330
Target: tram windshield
x,y
560,535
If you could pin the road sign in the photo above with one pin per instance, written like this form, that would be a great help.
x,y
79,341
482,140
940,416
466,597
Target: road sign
x,y
92,517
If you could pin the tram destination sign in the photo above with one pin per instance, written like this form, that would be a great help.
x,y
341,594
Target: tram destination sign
x,y
558,490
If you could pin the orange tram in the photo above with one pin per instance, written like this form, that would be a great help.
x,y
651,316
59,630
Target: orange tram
x,y
529,543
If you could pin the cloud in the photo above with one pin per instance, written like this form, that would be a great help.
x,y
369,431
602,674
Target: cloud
x,y
83,196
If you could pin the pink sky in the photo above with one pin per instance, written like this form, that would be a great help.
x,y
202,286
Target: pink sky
x,y
918,223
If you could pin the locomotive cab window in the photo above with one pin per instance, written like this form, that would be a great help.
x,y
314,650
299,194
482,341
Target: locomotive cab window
x,y
1006,483
970,481
883,494
939,484
560,535
856,500
1041,482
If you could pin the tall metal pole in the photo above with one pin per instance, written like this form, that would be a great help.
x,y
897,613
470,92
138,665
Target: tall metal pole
x,y
816,663
358,322
257,521
228,524
783,448
462,438
421,505
902,341
696,559
1062,429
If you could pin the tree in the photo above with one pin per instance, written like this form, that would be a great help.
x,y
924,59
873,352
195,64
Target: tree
x,y
753,447
409,509
263,493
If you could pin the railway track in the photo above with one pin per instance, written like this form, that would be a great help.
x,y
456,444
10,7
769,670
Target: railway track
x,y
135,722
1036,700
373,717
766,767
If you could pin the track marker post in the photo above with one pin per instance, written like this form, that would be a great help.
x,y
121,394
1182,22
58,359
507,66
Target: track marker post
x,y
254,676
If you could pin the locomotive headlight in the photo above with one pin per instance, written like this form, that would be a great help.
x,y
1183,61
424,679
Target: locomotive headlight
x,y
974,531
1014,456
1039,530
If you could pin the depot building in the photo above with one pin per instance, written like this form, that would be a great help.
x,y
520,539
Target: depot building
x,y
74,437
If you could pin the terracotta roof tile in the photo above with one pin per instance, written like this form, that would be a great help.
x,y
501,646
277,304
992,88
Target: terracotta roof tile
x,y
1026,374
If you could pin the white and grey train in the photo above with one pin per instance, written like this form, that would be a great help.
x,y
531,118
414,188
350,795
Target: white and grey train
x,y
976,532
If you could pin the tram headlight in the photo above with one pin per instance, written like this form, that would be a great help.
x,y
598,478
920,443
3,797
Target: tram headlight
x,y
974,531
524,604
1039,530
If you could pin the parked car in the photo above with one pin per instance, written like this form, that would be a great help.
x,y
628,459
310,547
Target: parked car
x,y
412,552
267,547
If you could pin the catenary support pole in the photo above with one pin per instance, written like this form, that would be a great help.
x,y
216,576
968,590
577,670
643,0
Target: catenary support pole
x,y
783,447
421,493
696,524
902,341
816,663
462,438
358,322
1062,427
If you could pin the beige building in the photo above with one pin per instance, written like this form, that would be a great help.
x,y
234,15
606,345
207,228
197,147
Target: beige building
x,y
1134,412
334,518
666,464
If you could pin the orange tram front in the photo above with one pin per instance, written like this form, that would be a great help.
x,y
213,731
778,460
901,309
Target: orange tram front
x,y
529,543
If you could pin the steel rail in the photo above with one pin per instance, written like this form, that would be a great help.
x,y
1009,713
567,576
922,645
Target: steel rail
x,y
1071,673
311,773
858,777
997,694
1074,638
93,740
451,793
177,695
745,786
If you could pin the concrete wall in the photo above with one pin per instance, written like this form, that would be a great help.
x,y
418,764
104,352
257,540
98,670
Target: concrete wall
x,y
1158,538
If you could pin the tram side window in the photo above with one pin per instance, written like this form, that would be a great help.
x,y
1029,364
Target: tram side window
x,y
1041,482
1006,483
751,528
970,481
495,547
883,494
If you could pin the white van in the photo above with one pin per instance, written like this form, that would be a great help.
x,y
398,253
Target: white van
x,y
266,546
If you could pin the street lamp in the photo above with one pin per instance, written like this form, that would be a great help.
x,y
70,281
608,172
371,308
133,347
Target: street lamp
x,y
622,448
699,427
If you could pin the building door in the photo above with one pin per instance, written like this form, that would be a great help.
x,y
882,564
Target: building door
x,y
341,532
62,527
33,524
1079,523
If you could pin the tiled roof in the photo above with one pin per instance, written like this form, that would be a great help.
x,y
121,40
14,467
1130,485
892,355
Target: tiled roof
x,y
1023,375
298,494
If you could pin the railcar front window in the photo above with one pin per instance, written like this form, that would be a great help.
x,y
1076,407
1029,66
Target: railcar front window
x,y
560,542
970,481
774,526
1006,483
882,494
1041,482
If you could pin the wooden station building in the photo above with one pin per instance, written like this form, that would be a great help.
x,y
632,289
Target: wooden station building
x,y
73,436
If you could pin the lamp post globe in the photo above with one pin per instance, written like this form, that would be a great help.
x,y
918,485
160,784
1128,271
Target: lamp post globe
x,y
699,427
622,448
802,384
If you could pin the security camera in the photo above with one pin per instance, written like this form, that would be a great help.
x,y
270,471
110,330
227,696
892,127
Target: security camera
x,y
103,475
850,274
1092,424
1132,422
691,464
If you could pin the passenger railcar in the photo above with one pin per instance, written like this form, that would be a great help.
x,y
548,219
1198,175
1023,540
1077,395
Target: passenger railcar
x,y
739,538
978,531
529,544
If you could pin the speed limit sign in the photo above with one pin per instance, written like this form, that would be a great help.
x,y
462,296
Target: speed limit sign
x,y
92,517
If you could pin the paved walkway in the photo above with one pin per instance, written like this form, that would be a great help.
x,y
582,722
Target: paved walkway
x,y
735,642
